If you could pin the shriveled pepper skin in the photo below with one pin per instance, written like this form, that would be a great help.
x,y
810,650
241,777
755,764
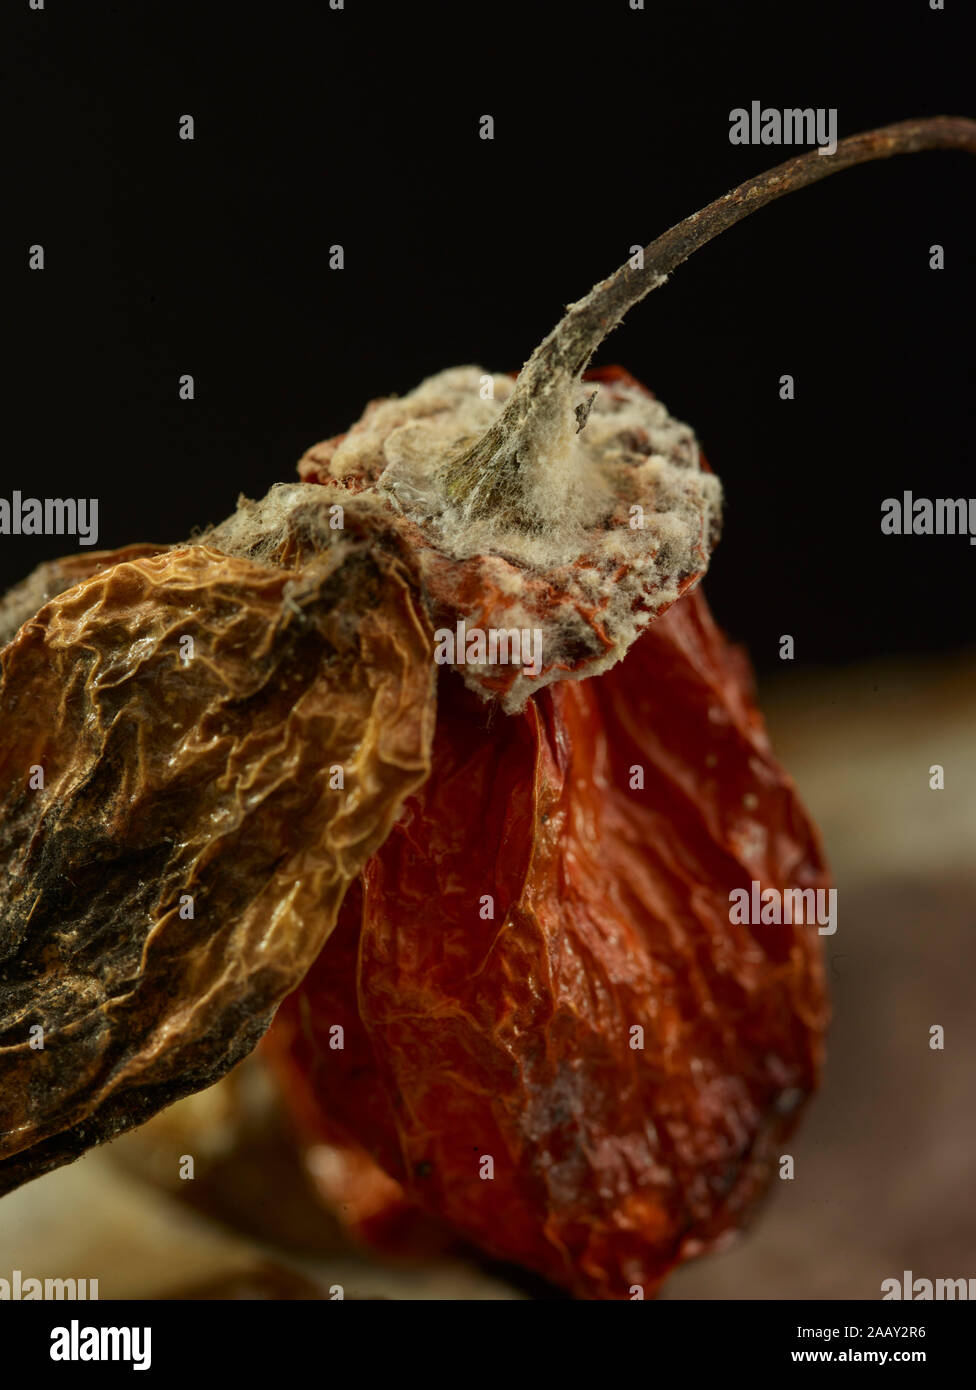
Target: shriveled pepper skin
x,y
548,977
322,1054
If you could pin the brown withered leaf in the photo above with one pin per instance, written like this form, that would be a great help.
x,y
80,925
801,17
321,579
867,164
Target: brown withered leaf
x,y
208,777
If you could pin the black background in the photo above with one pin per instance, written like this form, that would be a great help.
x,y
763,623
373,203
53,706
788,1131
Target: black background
x,y
360,127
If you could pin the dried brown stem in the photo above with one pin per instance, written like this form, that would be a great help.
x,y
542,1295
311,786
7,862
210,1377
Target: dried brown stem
x,y
487,477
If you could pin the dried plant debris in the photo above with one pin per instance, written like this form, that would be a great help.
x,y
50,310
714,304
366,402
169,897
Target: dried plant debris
x,y
53,577
204,746
198,755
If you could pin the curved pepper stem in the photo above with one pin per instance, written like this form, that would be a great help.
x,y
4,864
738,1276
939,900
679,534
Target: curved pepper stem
x,y
487,477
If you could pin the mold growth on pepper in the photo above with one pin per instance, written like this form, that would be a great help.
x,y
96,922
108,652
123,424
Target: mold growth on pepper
x,y
622,522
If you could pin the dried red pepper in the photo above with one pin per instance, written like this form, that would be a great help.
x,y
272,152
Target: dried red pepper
x,y
607,824
555,1042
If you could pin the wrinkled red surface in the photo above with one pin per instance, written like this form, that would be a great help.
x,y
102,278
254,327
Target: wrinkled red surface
x,y
510,1036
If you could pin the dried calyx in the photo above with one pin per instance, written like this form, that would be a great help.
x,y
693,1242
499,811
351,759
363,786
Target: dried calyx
x,y
604,557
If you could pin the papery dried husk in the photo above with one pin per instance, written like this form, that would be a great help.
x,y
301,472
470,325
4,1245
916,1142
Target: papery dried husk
x,y
166,779
54,576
